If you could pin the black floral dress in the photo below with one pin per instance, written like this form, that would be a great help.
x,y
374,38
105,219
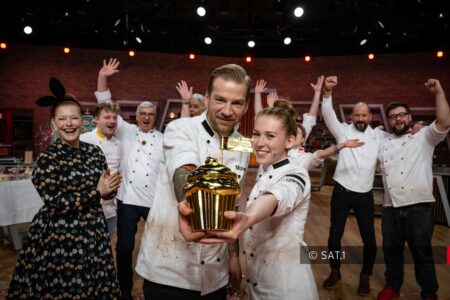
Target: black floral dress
x,y
67,254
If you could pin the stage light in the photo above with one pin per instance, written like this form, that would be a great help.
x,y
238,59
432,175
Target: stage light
x,y
192,56
440,54
27,29
3,45
363,42
66,50
307,58
117,23
251,44
208,40
138,39
131,53
248,59
201,11
298,12
371,56
287,40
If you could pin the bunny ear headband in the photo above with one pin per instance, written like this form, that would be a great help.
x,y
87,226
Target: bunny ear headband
x,y
57,89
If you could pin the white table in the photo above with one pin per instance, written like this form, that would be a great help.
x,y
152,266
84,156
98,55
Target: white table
x,y
19,202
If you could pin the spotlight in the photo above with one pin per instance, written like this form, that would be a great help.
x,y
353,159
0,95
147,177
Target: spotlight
x,y
27,29
248,59
298,12
138,39
287,40
3,45
371,56
201,11
363,42
381,24
440,54
192,56
131,53
441,16
307,58
251,44
172,115
117,23
66,50
208,40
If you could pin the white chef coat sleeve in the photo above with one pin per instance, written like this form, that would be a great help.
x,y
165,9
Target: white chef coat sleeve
x,y
103,97
336,128
433,135
308,123
180,146
290,191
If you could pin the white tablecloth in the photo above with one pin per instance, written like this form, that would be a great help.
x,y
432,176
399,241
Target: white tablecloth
x,y
19,202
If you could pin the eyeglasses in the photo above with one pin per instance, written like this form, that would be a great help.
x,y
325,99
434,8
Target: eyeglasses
x,y
144,115
399,115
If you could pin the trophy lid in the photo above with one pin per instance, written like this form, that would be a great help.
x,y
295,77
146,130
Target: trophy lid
x,y
213,176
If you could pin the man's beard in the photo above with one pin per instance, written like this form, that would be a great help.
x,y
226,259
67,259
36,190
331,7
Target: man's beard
x,y
400,132
361,126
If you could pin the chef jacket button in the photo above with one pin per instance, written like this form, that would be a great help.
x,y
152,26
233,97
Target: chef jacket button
x,y
239,176
202,262
243,252
401,172
146,185
153,136
248,280
151,144
146,174
251,227
251,254
134,171
248,199
270,177
402,158
403,187
255,284
254,198
130,181
218,259
136,160
208,141
139,150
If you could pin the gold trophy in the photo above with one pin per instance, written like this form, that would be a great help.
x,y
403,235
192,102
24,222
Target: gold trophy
x,y
211,190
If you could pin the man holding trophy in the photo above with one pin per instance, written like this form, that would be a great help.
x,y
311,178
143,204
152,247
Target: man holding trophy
x,y
172,267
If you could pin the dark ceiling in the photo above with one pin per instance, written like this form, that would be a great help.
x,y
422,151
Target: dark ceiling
x,y
328,27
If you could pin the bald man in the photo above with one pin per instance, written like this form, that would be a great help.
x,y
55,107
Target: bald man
x,y
353,177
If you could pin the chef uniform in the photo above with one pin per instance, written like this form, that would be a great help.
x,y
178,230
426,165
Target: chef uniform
x,y
165,257
272,246
142,153
111,149
406,163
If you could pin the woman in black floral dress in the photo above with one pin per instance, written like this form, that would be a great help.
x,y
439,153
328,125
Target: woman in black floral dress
x,y
67,254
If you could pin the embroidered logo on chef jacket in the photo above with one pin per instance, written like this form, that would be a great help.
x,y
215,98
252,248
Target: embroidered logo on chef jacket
x,y
295,179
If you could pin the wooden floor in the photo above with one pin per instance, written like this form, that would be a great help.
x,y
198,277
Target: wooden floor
x,y
316,234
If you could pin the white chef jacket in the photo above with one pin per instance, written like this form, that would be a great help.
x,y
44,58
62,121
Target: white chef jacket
x,y
141,157
272,246
111,149
164,256
308,123
406,163
355,169
306,160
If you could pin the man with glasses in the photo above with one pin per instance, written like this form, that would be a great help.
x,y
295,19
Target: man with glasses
x,y
406,162
354,175
142,153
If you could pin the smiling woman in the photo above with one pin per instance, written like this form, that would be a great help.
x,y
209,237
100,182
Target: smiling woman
x,y
71,177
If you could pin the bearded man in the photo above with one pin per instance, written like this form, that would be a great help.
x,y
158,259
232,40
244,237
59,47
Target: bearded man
x,y
354,175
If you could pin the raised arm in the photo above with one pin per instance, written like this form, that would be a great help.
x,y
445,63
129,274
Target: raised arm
x,y
329,115
442,108
109,69
260,87
186,94
317,88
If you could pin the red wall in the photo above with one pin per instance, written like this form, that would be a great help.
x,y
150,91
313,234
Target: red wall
x,y
25,70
